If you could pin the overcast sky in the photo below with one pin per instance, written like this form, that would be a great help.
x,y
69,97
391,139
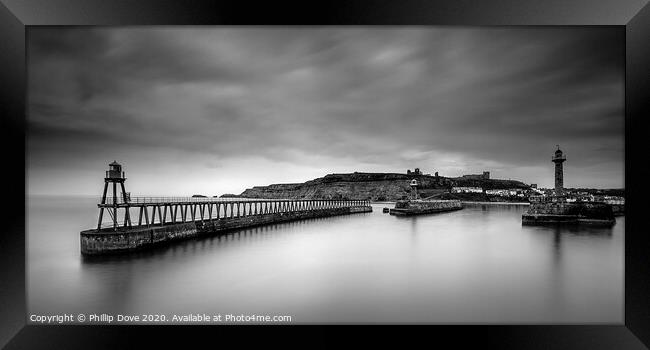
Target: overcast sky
x,y
212,110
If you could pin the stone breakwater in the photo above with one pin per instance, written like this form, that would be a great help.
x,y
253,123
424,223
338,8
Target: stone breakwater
x,y
569,213
95,242
417,207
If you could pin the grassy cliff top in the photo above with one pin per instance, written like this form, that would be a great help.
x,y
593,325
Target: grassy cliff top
x,y
424,180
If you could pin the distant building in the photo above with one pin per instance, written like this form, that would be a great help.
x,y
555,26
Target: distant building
x,y
484,176
466,190
533,185
414,172
614,200
538,190
501,193
506,193
536,199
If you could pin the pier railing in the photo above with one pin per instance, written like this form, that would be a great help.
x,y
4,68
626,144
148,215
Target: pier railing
x,y
163,210
135,201
147,199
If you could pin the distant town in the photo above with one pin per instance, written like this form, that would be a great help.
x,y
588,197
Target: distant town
x,y
532,192
611,196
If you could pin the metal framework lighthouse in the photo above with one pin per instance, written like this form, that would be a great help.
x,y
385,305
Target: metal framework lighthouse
x,y
114,175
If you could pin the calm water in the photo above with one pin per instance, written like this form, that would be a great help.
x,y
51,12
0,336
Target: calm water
x,y
477,265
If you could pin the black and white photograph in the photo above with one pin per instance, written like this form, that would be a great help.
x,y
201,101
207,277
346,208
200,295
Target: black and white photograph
x,y
325,175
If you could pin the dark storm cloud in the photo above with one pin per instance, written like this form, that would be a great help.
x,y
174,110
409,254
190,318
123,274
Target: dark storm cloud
x,y
444,98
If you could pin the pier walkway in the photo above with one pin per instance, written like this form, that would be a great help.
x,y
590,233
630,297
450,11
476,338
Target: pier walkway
x,y
163,210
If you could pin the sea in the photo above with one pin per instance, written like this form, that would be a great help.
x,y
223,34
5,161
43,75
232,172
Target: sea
x,y
478,265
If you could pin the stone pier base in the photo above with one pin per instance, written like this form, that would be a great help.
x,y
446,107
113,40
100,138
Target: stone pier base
x,y
95,242
590,213
417,207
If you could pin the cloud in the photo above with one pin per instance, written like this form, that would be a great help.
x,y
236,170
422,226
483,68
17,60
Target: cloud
x,y
319,98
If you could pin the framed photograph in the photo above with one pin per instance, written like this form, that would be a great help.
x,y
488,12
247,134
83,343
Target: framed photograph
x,y
179,171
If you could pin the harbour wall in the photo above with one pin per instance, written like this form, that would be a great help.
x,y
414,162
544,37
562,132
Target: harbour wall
x,y
619,209
415,207
95,242
563,212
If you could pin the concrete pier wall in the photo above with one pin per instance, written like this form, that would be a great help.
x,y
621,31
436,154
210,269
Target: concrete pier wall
x,y
585,209
415,207
95,242
563,212
619,209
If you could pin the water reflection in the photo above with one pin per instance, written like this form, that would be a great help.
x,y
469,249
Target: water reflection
x,y
205,243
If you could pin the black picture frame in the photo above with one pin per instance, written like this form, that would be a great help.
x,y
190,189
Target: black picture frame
x,y
17,15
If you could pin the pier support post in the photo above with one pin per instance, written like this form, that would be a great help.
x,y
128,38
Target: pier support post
x,y
153,215
127,213
114,206
101,209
